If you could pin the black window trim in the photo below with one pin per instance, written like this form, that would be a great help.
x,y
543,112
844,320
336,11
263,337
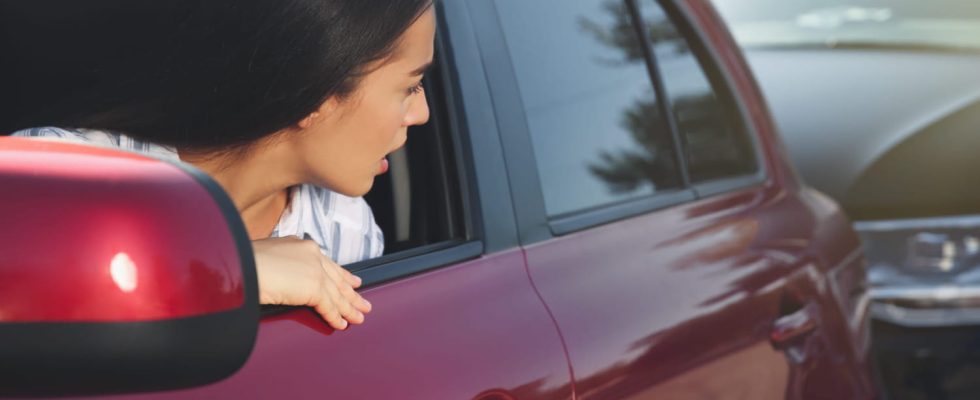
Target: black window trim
x,y
413,261
524,184
480,150
608,213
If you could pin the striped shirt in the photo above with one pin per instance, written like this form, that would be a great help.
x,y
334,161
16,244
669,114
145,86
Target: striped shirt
x,y
343,226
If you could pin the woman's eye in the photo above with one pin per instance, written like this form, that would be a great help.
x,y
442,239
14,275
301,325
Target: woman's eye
x,y
416,89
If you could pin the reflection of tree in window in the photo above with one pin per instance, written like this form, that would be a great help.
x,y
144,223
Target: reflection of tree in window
x,y
652,161
713,149
621,34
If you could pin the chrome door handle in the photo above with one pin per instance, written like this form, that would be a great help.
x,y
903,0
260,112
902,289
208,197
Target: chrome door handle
x,y
789,329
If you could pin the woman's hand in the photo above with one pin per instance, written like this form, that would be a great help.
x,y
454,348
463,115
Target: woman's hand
x,y
294,272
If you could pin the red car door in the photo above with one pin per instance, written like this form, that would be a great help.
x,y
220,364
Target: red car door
x,y
685,302
473,330
677,254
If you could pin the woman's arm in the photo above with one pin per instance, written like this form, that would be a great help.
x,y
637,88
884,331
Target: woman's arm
x,y
294,272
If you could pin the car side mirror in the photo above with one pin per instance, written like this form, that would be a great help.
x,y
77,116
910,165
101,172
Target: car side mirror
x,y
118,273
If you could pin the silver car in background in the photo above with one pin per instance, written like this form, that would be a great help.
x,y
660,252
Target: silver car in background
x,y
878,102
879,105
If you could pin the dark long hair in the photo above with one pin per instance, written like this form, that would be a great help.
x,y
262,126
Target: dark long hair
x,y
195,74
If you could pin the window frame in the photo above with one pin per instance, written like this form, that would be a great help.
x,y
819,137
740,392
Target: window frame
x,y
485,229
534,224
723,85
479,237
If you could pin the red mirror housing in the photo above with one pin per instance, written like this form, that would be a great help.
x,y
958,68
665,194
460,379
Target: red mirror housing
x,y
118,272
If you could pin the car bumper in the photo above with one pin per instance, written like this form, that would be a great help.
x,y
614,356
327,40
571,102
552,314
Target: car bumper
x,y
927,306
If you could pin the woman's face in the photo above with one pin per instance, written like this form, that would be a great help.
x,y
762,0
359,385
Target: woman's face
x,y
343,146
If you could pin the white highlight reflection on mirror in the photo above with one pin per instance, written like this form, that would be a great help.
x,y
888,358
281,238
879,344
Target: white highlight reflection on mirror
x,y
123,272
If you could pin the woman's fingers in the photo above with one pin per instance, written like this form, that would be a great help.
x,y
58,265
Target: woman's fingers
x,y
293,271
354,280
347,282
355,298
347,309
334,306
331,315
349,303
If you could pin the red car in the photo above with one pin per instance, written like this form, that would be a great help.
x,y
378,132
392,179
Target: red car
x,y
599,208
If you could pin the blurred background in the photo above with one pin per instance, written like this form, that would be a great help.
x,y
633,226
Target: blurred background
x,y
878,103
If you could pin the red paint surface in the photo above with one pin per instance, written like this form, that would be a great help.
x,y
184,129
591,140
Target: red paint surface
x,y
474,330
681,303
68,210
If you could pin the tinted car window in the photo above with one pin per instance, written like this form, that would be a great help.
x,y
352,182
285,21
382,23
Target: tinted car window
x,y
712,135
597,132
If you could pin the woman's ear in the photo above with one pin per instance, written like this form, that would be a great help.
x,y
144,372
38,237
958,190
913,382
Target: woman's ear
x,y
328,107
307,122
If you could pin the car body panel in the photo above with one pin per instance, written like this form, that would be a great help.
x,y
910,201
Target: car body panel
x,y
658,305
651,306
460,332
638,315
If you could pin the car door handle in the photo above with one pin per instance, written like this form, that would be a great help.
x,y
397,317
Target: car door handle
x,y
790,328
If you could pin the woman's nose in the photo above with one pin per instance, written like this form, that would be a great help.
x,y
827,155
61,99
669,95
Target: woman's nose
x,y
418,112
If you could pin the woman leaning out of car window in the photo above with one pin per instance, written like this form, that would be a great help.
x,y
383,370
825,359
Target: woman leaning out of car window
x,y
290,105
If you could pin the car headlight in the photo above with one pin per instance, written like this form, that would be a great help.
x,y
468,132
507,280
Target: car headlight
x,y
923,272
932,250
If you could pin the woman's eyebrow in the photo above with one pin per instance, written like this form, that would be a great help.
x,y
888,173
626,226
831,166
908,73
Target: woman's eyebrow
x,y
421,70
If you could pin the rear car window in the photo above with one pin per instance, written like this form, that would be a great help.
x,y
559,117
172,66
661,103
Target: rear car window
x,y
598,134
713,137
